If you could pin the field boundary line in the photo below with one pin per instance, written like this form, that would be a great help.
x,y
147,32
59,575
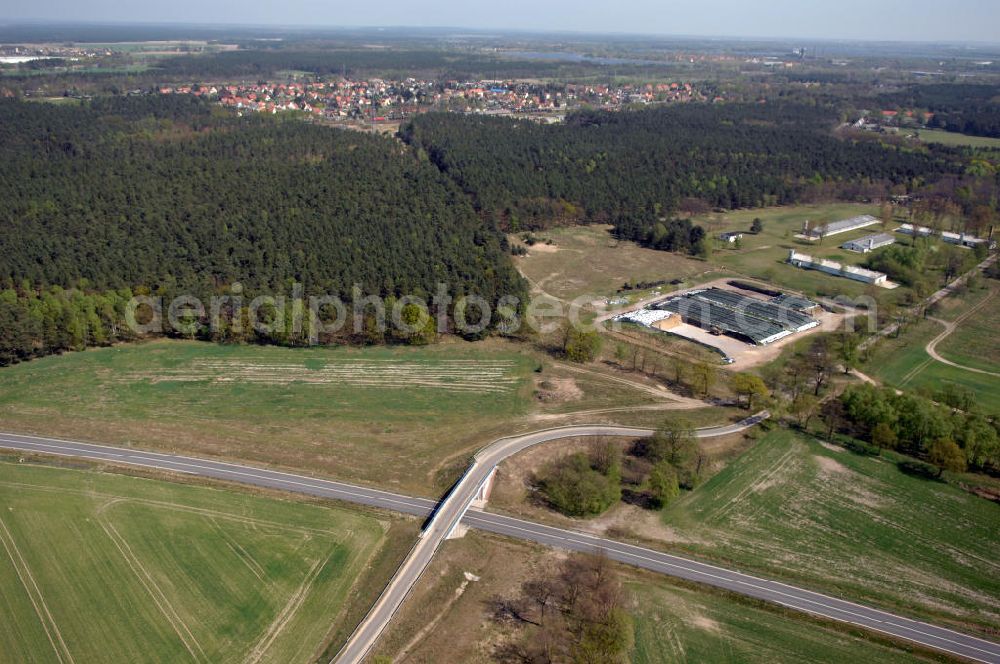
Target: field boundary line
x,y
40,606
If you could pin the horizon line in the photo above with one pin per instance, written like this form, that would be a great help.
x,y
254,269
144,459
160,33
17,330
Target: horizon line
x,y
301,27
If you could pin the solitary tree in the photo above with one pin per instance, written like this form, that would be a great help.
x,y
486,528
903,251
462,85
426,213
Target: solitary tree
x,y
946,455
804,407
663,485
706,375
581,346
749,386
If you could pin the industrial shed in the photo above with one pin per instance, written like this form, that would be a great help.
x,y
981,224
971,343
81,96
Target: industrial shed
x,y
837,227
757,321
807,262
863,245
796,302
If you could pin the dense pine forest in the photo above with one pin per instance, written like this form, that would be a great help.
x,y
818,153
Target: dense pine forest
x,y
632,168
167,195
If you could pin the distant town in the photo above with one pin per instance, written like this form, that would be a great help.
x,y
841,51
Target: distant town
x,y
380,101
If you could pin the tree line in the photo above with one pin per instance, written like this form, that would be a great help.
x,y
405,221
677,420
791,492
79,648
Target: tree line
x,y
948,438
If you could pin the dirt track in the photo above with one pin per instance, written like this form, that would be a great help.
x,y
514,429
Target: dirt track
x,y
951,326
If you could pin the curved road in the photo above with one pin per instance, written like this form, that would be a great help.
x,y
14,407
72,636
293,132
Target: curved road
x,y
451,510
949,327
924,634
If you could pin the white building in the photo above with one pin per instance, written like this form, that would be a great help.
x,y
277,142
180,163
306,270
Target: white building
x,y
863,245
961,239
837,269
837,227
647,317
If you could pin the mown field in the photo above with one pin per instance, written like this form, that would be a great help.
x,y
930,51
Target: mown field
x,y
98,567
450,620
384,416
853,526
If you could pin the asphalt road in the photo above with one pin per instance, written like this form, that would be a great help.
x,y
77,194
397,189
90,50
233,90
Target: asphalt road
x,y
803,600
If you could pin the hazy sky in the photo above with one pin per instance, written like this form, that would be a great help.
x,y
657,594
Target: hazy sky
x,y
908,20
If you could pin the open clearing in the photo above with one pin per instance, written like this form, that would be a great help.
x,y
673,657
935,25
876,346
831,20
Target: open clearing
x,y
588,261
763,255
448,618
401,418
955,139
373,415
99,567
853,526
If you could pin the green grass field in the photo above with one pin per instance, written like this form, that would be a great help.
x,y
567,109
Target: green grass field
x,y
903,363
975,342
98,567
387,416
676,624
587,261
852,526
955,139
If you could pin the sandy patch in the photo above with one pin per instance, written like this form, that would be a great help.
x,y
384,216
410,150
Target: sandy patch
x,y
828,466
705,623
632,522
542,248
557,390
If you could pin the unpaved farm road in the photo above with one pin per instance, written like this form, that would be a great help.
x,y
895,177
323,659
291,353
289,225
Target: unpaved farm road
x,y
932,299
949,641
949,327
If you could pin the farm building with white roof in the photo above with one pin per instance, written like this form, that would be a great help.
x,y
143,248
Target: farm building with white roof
x,y
863,245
